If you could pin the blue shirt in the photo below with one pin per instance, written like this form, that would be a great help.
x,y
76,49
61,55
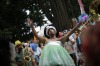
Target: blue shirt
x,y
33,46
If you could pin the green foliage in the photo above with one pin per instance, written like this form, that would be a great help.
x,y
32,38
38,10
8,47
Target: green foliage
x,y
13,15
86,5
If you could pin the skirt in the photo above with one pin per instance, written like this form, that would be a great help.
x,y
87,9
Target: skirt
x,y
55,55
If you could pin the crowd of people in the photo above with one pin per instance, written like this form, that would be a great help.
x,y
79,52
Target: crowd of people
x,y
35,49
67,48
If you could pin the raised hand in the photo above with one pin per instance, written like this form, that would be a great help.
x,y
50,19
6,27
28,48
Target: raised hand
x,y
29,22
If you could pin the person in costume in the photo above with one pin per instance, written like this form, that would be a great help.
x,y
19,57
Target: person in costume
x,y
53,53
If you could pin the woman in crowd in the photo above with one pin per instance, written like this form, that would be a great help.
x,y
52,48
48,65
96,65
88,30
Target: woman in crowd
x,y
53,53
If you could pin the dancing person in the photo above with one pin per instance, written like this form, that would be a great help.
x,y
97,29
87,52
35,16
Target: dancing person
x,y
53,53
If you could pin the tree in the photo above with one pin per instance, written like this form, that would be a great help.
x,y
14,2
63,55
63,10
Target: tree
x,y
59,12
13,15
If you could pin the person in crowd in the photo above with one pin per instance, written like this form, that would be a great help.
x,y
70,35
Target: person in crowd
x,y
19,53
78,40
28,54
39,49
13,53
60,34
69,47
33,45
74,55
53,53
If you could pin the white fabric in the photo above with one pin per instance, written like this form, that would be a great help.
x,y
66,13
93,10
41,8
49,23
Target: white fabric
x,y
54,43
75,50
25,44
35,53
54,55
39,50
72,38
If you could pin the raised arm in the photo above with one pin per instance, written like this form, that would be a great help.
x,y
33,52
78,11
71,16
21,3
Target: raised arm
x,y
40,38
65,37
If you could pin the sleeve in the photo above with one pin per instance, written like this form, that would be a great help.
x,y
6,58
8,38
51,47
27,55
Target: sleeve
x,y
30,46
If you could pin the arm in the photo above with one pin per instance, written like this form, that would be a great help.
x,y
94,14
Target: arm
x,y
42,39
32,53
65,37
72,41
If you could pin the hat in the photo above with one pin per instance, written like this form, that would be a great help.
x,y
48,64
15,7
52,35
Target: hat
x,y
17,43
49,27
46,29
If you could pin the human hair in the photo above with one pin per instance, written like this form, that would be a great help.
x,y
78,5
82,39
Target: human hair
x,y
50,29
39,45
57,32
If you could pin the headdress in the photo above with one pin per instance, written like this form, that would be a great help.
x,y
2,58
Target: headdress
x,y
50,27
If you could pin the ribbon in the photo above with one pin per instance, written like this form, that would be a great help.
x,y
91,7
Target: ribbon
x,y
81,6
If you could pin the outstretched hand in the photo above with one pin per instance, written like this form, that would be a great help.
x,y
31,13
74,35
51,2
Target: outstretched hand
x,y
29,22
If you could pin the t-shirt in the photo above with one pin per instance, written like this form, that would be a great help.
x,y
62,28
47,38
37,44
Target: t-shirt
x,y
34,48
39,50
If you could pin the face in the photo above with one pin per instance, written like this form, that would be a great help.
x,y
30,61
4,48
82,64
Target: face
x,y
51,31
19,46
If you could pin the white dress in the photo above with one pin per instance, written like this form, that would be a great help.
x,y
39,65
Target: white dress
x,y
54,54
